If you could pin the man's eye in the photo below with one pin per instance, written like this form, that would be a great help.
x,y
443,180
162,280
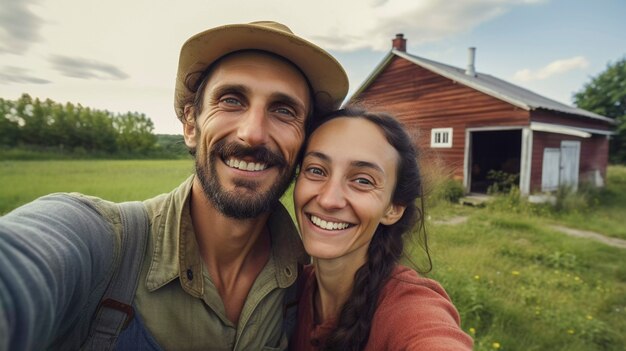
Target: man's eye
x,y
285,111
230,101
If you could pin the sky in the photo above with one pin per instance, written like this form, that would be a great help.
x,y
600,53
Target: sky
x,y
121,55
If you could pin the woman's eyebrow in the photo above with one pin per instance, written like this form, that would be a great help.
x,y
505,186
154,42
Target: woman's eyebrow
x,y
318,154
357,164
366,164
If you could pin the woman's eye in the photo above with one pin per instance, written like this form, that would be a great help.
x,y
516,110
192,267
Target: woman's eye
x,y
363,181
315,171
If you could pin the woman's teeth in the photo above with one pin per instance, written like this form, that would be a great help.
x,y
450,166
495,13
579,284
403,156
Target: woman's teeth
x,y
327,224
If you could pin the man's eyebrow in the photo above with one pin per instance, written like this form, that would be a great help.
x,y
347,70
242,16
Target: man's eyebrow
x,y
229,88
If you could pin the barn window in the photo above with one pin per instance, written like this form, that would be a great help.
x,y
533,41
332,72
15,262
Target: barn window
x,y
441,137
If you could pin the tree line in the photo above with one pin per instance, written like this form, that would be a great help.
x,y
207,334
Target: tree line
x,y
72,128
605,94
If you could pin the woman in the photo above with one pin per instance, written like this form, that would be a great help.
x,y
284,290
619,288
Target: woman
x,y
355,201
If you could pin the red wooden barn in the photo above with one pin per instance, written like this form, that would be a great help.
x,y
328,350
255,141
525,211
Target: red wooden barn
x,y
474,122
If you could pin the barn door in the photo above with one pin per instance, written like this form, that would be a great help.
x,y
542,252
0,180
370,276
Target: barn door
x,y
570,160
550,171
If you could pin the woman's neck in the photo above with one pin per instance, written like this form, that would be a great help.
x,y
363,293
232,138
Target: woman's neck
x,y
335,278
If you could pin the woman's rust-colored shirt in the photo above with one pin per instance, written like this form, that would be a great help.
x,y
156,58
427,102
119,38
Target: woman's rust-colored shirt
x,y
413,313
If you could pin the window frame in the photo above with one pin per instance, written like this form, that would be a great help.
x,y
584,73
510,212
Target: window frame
x,y
438,135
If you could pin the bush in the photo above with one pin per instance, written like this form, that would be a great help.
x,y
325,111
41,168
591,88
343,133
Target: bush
x,y
448,190
569,200
502,182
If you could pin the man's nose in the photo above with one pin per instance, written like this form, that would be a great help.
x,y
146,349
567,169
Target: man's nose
x,y
253,127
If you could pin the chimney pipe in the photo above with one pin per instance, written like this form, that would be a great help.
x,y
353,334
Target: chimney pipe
x,y
399,43
471,70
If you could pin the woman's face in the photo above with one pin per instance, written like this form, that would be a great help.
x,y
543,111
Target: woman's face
x,y
344,188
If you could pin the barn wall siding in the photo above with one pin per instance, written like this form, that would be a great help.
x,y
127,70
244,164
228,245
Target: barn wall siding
x,y
423,100
593,155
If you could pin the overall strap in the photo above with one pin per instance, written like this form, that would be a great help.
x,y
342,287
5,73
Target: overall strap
x,y
290,305
115,310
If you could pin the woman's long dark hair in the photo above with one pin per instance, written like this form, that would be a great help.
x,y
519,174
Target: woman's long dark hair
x,y
387,245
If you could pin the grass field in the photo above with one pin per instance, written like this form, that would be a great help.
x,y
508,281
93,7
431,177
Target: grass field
x,y
517,284
23,181
521,286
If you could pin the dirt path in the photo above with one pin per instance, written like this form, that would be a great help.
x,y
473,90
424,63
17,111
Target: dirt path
x,y
565,230
452,220
591,235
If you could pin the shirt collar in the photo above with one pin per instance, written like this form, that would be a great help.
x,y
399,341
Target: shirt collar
x,y
176,254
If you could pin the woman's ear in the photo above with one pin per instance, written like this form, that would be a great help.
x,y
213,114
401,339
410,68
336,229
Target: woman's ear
x,y
189,126
392,214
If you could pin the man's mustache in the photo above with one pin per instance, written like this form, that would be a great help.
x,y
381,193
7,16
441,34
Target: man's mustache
x,y
260,154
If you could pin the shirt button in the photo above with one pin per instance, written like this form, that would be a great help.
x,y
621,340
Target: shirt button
x,y
315,342
190,274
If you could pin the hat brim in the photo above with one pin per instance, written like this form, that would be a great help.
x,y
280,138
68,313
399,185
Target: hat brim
x,y
325,75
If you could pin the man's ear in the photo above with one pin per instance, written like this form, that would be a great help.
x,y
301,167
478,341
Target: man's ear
x,y
189,126
392,214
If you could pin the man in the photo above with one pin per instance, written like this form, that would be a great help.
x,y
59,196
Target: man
x,y
221,251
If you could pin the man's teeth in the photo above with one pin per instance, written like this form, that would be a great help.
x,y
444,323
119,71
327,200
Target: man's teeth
x,y
246,166
328,225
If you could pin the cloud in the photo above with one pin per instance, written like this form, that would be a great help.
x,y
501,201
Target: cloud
x,y
12,74
86,69
420,22
554,68
19,26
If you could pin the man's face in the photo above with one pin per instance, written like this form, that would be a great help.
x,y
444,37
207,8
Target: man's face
x,y
249,132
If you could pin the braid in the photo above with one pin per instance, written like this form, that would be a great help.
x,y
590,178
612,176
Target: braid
x,y
387,244
355,318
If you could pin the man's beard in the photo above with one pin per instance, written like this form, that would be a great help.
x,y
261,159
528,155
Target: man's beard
x,y
239,204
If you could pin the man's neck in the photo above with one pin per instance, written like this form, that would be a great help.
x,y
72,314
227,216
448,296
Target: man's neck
x,y
233,250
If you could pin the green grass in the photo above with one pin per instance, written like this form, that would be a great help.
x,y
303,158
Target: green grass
x,y
517,284
119,180
607,207
522,286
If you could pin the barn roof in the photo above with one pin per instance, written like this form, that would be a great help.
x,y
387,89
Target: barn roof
x,y
485,83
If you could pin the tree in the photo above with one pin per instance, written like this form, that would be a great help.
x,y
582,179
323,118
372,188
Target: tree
x,y
605,94
134,133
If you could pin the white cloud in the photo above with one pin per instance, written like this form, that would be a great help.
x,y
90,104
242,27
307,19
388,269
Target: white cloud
x,y
553,68
372,26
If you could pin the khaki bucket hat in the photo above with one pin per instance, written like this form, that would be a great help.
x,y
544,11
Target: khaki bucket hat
x,y
324,73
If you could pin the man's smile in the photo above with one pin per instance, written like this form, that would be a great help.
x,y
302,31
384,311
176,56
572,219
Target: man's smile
x,y
245,166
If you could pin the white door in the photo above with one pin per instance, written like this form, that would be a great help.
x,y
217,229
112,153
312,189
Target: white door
x,y
550,171
570,161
